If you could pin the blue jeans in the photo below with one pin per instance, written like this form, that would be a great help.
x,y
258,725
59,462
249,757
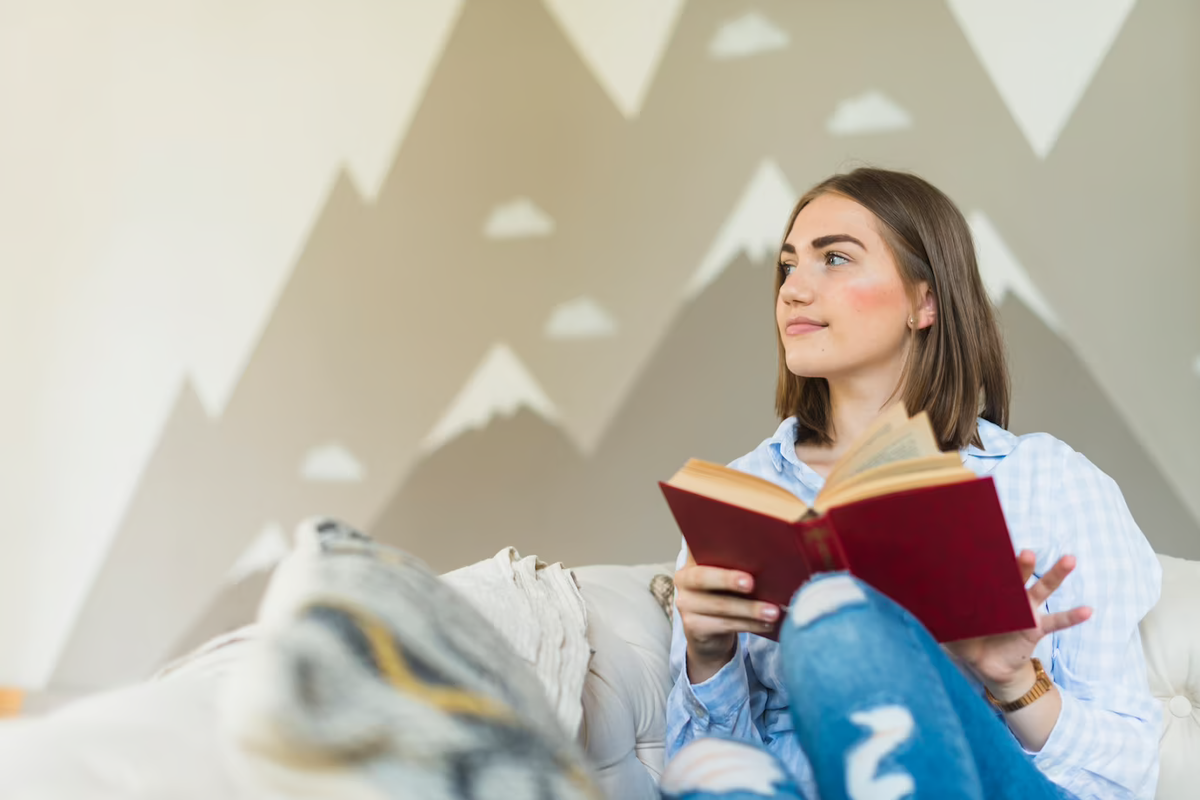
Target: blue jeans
x,y
879,709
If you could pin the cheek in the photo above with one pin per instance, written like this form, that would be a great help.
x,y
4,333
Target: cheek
x,y
868,297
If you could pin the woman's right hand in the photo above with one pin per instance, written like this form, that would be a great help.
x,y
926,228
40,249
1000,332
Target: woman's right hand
x,y
712,615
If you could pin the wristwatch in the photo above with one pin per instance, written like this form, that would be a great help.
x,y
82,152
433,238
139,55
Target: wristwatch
x,y
1041,685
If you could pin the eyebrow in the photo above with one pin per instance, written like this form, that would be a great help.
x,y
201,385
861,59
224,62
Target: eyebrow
x,y
825,241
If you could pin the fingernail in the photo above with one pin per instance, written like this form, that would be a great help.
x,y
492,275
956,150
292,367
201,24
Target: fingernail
x,y
770,613
743,583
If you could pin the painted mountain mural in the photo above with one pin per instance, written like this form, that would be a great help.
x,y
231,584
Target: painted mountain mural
x,y
520,189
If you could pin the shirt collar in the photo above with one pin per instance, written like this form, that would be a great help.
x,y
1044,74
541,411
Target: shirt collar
x,y
782,447
997,442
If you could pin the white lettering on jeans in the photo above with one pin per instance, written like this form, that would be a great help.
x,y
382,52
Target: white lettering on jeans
x,y
890,726
721,765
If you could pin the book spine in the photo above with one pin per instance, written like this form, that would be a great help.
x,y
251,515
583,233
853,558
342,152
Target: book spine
x,y
821,546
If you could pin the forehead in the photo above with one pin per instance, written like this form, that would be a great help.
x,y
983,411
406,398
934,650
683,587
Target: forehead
x,y
832,214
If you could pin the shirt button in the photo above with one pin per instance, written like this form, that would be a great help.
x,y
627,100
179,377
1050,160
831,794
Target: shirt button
x,y
1180,706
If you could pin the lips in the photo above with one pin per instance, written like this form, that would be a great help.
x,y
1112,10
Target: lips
x,y
798,326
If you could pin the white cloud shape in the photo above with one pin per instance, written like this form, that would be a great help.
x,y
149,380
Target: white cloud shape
x,y
581,318
620,41
1002,273
748,35
498,387
869,112
1041,55
755,226
268,549
519,218
331,463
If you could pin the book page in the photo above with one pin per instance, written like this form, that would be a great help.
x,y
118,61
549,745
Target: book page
x,y
890,485
738,488
942,461
912,439
886,424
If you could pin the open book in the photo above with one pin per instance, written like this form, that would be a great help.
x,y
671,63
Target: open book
x,y
911,521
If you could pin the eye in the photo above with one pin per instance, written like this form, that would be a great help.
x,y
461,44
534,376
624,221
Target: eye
x,y
833,259
786,269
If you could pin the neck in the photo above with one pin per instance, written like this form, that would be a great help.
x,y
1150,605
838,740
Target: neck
x,y
855,402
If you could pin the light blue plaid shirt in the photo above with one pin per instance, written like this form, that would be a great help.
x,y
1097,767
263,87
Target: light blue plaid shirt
x,y
1056,502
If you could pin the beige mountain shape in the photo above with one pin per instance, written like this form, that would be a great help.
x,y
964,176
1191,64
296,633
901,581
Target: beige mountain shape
x,y
235,606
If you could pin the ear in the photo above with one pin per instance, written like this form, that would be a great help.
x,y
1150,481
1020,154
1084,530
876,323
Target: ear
x,y
926,307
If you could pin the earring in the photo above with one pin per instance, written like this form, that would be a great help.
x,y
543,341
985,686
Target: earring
x,y
911,322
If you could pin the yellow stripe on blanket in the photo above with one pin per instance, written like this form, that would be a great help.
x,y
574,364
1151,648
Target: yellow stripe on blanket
x,y
394,667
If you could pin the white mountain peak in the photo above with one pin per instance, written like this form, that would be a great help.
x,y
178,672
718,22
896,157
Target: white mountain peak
x,y
581,318
1002,273
1041,55
519,218
268,549
500,386
620,41
869,112
755,225
331,463
748,35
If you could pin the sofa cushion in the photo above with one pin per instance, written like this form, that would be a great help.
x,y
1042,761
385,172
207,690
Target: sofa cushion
x,y
1171,639
625,694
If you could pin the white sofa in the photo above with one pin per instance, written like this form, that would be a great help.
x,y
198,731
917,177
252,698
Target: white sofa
x,y
163,739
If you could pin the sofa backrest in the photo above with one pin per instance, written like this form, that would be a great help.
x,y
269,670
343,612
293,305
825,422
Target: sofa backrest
x,y
1171,639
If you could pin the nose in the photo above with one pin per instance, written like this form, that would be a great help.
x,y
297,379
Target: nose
x,y
797,288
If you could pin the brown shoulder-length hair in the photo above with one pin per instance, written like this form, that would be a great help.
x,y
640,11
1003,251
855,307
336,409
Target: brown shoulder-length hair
x,y
955,369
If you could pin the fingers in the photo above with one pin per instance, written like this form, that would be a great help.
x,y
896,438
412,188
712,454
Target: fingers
x,y
1051,623
1049,583
713,579
709,603
1027,561
701,627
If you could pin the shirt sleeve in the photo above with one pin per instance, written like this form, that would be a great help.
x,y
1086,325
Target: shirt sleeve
x,y
745,700
1105,743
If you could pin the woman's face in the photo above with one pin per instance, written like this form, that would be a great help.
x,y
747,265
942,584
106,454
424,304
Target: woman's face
x,y
842,310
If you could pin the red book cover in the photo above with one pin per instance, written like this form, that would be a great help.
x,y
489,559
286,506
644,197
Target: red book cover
x,y
941,552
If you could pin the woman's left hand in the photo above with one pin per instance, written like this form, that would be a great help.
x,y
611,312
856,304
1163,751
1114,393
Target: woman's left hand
x,y
1003,662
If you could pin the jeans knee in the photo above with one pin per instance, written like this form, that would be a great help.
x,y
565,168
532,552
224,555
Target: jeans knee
x,y
826,595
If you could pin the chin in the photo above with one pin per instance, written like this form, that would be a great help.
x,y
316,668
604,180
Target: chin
x,y
807,368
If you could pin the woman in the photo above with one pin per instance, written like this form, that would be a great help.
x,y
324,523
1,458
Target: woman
x,y
880,301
